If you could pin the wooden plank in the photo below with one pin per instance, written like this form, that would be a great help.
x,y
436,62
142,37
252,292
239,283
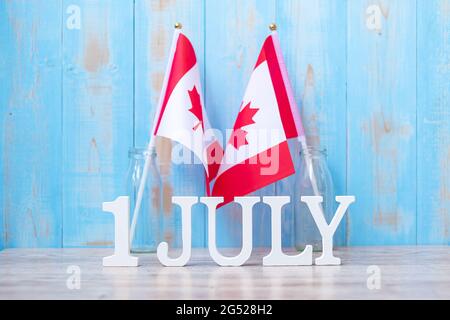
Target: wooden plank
x,y
98,115
313,40
381,121
5,71
433,122
235,33
154,26
30,96
405,274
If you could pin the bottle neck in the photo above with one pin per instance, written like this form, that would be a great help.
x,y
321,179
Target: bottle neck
x,y
313,152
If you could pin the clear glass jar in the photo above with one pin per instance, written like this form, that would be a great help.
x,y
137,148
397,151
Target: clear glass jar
x,y
181,175
312,168
147,233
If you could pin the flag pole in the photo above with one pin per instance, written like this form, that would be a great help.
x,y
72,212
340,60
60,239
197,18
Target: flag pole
x,y
295,113
152,142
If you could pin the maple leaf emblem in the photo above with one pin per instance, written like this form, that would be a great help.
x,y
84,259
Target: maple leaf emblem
x,y
196,107
244,118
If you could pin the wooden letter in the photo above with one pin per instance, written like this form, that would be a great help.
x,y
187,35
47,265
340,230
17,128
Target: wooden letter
x,y
276,257
186,204
327,231
120,208
247,204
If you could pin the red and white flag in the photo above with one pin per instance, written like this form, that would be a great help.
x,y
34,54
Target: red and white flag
x,y
257,153
181,115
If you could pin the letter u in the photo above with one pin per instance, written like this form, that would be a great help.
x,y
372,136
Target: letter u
x,y
247,204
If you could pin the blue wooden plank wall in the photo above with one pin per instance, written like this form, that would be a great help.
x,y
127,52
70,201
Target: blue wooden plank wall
x,y
31,93
433,122
97,106
4,55
81,79
381,121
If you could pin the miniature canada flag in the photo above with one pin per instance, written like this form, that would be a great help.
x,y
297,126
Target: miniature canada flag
x,y
181,116
257,153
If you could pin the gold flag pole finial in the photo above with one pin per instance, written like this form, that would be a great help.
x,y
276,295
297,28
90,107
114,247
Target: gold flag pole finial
x,y
178,25
272,27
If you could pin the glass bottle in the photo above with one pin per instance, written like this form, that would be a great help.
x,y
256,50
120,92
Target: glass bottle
x,y
181,175
312,178
147,233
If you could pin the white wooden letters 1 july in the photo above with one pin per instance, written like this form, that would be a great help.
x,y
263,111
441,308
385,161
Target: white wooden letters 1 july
x,y
276,257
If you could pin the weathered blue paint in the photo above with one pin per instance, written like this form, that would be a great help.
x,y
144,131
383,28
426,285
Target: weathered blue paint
x,y
97,117
381,118
433,122
30,97
5,55
73,102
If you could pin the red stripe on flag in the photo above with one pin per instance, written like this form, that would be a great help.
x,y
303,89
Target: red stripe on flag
x,y
183,61
279,86
261,58
245,177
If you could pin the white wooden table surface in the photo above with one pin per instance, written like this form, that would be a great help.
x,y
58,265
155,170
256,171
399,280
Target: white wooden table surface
x,y
406,272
